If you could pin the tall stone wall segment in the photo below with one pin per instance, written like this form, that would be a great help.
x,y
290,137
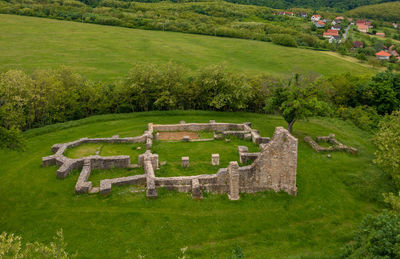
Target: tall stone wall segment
x,y
273,168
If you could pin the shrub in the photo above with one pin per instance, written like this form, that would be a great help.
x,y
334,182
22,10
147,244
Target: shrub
x,y
387,141
364,117
284,40
11,247
377,237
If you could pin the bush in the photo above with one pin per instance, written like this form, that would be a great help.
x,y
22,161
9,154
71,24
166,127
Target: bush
x,y
11,247
377,237
284,40
364,117
387,141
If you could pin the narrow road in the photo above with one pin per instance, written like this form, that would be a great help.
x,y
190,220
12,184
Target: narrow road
x,y
346,32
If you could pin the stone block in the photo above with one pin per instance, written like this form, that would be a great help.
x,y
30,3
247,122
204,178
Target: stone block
x,y
182,122
185,161
196,191
186,138
247,136
151,191
149,143
83,187
215,159
48,160
212,121
243,149
105,186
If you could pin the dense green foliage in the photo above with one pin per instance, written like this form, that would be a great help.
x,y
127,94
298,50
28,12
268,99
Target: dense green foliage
x,y
388,145
12,247
385,12
297,100
377,237
51,96
334,195
338,5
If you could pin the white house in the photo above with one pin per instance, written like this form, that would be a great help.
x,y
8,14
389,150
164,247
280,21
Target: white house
x,y
316,17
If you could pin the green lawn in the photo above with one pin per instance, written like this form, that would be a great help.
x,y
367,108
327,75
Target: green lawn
x,y
334,195
107,53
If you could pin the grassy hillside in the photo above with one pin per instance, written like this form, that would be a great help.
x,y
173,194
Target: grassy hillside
x,y
106,53
334,194
386,12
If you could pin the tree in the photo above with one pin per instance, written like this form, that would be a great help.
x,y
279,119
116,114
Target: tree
x,y
387,141
297,100
377,237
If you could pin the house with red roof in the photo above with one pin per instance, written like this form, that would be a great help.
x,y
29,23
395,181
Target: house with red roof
x,y
380,34
329,33
382,55
362,28
320,24
316,18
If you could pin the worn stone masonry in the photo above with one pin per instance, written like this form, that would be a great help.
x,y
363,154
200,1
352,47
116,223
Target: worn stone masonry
x,y
273,168
336,145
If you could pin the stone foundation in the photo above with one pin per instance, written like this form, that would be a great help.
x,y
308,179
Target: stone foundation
x,y
336,145
273,168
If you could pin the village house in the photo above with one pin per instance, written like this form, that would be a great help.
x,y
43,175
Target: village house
x,y
316,18
380,34
336,27
320,24
358,44
280,13
393,52
289,13
303,14
331,33
362,28
335,39
395,25
382,55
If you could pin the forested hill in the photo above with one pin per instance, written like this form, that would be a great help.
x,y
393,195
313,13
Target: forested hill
x,y
386,12
339,5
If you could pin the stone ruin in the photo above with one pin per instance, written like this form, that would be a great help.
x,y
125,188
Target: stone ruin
x,y
336,145
273,168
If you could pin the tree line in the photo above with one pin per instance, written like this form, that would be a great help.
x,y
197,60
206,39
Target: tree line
x,y
51,96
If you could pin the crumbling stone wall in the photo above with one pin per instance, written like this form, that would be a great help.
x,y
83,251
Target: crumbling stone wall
x,y
273,168
336,145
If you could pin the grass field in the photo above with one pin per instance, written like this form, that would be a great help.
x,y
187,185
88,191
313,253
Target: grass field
x,y
334,195
107,53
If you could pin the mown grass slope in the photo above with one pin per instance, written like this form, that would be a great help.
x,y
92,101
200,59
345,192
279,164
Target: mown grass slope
x,y
334,194
107,53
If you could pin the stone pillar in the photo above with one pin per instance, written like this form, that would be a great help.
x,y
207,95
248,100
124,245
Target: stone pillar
x,y
196,191
215,159
233,172
185,161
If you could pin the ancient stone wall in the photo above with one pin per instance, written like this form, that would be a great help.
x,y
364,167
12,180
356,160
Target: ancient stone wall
x,y
274,168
